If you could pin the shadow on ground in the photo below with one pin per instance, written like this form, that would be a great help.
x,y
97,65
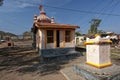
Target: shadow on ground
x,y
27,60
18,57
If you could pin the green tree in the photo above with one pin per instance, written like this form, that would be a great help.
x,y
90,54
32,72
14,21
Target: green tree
x,y
94,26
101,32
27,33
77,33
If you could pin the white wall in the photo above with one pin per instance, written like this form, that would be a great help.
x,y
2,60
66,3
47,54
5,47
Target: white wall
x,y
69,45
61,36
41,36
40,42
37,36
50,46
80,38
72,43
42,39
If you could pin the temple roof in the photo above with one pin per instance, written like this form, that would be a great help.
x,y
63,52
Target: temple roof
x,y
42,18
55,25
42,21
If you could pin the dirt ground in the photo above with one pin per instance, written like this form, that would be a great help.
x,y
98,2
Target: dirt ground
x,y
22,62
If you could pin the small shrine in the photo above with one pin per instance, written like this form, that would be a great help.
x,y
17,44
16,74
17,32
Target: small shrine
x,y
98,51
50,38
98,64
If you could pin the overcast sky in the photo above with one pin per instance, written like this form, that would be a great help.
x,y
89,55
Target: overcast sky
x,y
16,16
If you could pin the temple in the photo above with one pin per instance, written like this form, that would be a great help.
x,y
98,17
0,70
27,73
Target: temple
x,y
52,39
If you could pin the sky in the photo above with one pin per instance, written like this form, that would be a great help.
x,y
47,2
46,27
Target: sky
x,y
16,16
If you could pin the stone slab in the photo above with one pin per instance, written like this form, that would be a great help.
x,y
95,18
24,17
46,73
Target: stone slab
x,y
70,75
86,72
93,73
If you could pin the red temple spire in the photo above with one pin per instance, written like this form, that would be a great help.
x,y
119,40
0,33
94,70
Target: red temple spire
x,y
41,8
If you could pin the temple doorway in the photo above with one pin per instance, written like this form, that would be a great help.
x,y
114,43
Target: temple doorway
x,y
58,38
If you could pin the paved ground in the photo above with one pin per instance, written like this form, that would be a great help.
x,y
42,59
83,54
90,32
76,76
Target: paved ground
x,y
23,63
70,75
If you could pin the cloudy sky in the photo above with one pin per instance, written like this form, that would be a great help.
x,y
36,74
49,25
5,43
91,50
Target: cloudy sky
x,y
16,16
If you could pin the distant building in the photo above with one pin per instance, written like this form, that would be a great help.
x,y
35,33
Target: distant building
x,y
27,37
79,40
118,36
110,32
20,37
52,39
14,37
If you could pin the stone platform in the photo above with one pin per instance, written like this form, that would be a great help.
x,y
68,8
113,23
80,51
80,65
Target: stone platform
x,y
59,54
70,75
92,73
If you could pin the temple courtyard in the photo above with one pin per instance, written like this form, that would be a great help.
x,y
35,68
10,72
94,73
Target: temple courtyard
x,y
22,62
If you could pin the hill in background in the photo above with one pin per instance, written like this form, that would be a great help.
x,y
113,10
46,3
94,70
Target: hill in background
x,y
3,34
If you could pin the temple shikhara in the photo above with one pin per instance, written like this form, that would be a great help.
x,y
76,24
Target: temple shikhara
x,y
53,39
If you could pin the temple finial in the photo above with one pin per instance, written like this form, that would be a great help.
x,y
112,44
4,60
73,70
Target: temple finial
x,y
52,19
41,8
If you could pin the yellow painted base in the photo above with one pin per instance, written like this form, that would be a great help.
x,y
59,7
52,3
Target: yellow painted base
x,y
99,65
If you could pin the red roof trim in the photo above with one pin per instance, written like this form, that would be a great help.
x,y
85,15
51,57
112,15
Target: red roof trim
x,y
55,25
